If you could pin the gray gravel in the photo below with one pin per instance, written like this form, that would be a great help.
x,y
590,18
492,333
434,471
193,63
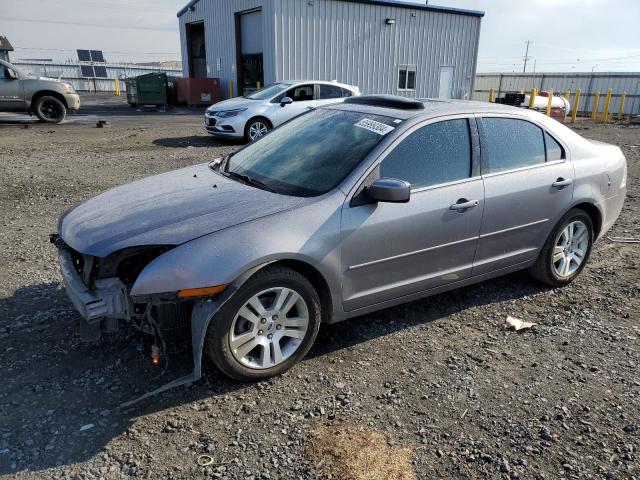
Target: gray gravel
x,y
441,376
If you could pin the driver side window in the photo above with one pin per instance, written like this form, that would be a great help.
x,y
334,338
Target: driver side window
x,y
434,154
301,93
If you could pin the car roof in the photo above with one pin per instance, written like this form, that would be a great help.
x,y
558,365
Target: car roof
x,y
431,107
324,82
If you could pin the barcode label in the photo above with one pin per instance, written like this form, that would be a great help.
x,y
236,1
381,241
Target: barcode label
x,y
373,126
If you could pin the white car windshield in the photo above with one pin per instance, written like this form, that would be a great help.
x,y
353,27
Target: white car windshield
x,y
310,154
269,91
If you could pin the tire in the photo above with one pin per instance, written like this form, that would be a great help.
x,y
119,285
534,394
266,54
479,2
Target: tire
x,y
253,357
256,128
49,109
568,250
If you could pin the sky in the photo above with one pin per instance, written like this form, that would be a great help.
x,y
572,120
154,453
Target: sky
x,y
565,35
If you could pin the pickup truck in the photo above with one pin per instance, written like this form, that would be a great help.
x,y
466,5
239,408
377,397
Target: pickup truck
x,y
47,98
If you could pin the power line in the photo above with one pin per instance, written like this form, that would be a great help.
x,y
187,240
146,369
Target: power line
x,y
84,24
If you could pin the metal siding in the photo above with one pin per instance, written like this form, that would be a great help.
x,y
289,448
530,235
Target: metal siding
x,y
219,30
344,41
588,83
349,42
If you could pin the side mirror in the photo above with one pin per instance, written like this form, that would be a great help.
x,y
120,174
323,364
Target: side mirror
x,y
10,74
390,190
285,101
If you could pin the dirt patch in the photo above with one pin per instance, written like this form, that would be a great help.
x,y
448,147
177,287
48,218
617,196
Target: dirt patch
x,y
348,451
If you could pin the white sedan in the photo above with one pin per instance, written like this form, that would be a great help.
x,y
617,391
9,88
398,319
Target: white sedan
x,y
253,116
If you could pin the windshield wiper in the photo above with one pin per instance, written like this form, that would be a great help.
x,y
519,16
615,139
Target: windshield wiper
x,y
250,181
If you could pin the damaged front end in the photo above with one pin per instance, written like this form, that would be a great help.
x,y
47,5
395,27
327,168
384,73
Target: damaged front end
x,y
100,290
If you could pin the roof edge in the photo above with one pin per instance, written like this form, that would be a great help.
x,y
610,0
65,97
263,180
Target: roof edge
x,y
420,6
386,3
184,9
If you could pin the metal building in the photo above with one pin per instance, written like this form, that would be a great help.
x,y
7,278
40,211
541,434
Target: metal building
x,y
5,48
401,48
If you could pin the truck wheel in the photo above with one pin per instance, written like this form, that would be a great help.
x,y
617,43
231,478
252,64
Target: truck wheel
x,y
267,326
49,109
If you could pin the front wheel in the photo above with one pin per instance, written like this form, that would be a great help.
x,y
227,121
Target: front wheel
x,y
49,109
256,128
566,251
266,327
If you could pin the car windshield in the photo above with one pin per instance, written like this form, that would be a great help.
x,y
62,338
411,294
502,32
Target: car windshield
x,y
312,153
269,91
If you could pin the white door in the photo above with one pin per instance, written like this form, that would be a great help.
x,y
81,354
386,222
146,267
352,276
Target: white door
x,y
446,82
303,98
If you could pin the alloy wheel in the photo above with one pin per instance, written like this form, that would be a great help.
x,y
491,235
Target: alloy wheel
x,y
570,249
257,130
269,328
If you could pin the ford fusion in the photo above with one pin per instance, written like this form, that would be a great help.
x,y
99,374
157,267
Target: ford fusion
x,y
347,209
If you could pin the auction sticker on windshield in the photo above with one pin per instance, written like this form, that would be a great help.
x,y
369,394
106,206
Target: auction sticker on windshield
x,y
373,126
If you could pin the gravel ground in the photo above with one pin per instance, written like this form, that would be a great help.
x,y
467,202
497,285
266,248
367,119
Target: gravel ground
x,y
439,380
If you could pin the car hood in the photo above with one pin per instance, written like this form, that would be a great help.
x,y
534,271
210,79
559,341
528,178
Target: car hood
x,y
167,209
238,102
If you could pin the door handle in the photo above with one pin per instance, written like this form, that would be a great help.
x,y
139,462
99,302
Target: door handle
x,y
561,182
464,204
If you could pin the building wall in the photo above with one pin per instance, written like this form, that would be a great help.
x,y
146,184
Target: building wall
x,y
219,25
344,41
350,42
588,83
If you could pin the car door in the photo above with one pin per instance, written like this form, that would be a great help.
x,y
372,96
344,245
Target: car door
x,y
390,250
528,186
11,97
303,97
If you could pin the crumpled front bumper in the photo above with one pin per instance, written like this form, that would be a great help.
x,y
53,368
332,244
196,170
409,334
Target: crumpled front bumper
x,y
109,298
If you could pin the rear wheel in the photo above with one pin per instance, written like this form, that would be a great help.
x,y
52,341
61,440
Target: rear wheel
x,y
566,251
266,327
256,128
49,109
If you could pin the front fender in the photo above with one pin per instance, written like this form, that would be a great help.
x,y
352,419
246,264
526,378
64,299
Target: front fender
x,y
309,234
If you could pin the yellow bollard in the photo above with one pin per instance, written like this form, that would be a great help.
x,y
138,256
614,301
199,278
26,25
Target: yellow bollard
x,y
574,114
621,106
230,88
567,94
605,110
258,85
491,93
117,84
532,97
596,100
549,102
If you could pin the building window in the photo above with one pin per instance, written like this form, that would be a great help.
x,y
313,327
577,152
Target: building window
x,y
407,77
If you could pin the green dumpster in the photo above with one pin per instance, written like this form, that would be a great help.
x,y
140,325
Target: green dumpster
x,y
148,89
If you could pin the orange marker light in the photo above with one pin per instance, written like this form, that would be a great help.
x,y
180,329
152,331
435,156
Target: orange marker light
x,y
201,292
155,355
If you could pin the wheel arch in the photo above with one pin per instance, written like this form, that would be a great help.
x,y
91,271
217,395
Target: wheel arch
x,y
259,117
316,279
594,213
47,93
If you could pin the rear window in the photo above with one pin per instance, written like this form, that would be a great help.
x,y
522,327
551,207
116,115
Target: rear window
x,y
554,149
511,143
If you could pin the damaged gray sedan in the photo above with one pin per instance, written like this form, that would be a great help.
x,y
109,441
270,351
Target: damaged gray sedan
x,y
345,210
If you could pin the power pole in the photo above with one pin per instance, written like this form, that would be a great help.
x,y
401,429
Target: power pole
x,y
526,56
